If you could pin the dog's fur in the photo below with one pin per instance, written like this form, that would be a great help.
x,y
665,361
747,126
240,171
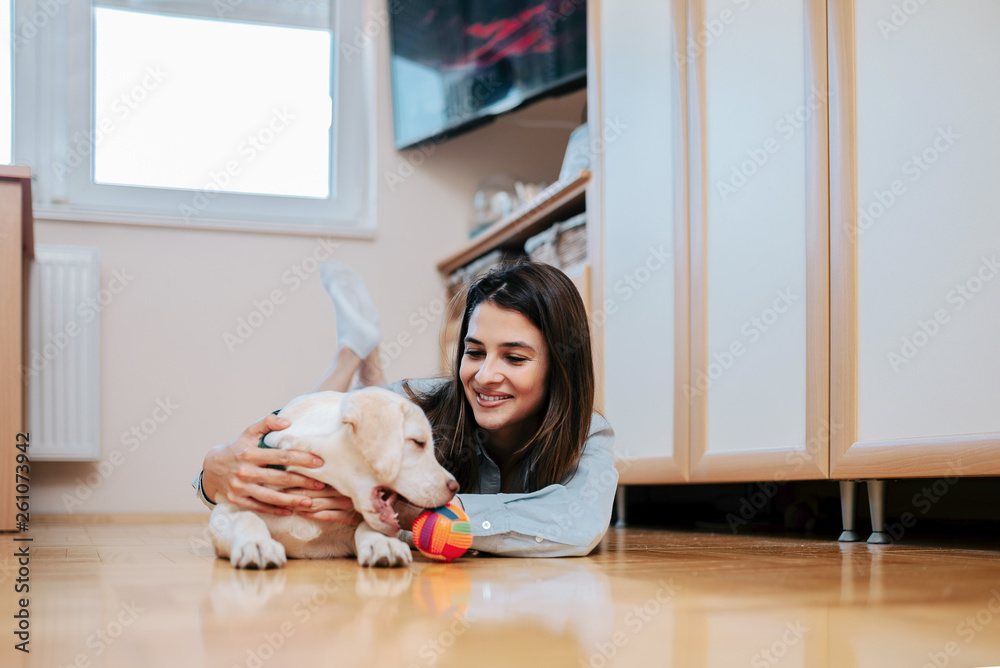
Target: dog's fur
x,y
375,445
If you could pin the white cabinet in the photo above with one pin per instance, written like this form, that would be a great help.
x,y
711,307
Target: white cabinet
x,y
758,219
640,202
916,239
824,177
715,364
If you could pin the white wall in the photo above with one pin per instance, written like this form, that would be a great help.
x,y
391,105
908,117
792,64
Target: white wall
x,y
162,336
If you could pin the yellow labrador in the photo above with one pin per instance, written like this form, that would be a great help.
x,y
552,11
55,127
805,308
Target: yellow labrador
x,y
376,448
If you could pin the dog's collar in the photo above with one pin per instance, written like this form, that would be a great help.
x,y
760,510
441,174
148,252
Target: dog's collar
x,y
262,444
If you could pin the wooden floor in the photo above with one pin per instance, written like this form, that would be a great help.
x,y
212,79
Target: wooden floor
x,y
152,594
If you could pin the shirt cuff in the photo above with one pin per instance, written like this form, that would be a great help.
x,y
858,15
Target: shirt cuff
x,y
196,483
488,516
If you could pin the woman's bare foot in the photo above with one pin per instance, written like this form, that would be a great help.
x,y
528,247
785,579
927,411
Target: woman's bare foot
x,y
371,370
338,377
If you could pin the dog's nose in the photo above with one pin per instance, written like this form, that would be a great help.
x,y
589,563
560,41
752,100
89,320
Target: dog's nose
x,y
453,486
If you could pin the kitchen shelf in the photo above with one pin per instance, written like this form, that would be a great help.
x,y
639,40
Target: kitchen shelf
x,y
559,201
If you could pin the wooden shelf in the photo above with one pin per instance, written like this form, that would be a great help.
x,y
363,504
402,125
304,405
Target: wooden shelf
x,y
559,201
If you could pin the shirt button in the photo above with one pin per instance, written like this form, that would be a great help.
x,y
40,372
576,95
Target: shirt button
x,y
538,539
487,525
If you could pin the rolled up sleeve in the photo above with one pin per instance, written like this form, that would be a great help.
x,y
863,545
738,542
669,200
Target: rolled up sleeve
x,y
563,520
200,491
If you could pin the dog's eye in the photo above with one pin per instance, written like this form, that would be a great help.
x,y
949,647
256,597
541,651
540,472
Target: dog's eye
x,y
420,444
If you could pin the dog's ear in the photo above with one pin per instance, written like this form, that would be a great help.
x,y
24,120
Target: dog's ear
x,y
378,434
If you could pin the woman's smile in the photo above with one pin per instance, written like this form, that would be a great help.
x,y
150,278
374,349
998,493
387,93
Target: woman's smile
x,y
491,399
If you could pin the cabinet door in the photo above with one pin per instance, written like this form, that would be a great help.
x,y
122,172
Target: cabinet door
x,y
916,243
758,392
635,124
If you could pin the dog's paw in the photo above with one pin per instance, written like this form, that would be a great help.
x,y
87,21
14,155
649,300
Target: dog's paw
x,y
379,550
258,554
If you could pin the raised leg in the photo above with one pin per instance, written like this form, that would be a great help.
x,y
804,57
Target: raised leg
x,y
848,496
876,503
357,330
338,376
371,373
346,366
620,507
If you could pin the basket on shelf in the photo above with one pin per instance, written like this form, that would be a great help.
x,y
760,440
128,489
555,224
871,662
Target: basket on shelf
x,y
564,245
462,276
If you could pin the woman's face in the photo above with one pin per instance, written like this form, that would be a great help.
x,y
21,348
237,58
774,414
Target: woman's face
x,y
504,369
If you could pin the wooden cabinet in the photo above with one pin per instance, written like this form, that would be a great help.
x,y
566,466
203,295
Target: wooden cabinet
x,y
16,251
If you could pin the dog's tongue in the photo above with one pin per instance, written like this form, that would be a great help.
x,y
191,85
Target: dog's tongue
x,y
386,512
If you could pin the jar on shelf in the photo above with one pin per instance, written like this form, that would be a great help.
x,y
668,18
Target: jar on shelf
x,y
496,197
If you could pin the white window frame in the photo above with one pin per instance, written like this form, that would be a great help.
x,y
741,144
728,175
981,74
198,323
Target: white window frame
x,y
53,121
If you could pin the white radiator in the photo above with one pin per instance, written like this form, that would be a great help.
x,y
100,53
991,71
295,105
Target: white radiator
x,y
62,368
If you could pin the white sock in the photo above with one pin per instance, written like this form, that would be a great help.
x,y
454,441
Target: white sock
x,y
357,319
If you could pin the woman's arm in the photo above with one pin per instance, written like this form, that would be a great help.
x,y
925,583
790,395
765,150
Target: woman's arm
x,y
238,473
563,520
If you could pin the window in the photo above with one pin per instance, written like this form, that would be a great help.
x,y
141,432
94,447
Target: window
x,y
5,86
207,113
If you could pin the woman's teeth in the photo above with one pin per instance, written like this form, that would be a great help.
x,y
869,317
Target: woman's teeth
x,y
492,397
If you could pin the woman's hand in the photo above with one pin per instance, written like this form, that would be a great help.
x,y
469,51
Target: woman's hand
x,y
237,473
328,505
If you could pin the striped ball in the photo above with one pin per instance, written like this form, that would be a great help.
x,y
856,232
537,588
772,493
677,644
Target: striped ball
x,y
442,533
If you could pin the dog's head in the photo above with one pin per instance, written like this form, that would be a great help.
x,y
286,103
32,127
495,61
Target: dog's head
x,y
378,449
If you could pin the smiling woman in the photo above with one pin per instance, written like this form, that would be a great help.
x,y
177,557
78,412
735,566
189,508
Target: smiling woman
x,y
525,375
515,422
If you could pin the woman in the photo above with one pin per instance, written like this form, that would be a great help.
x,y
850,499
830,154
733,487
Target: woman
x,y
514,423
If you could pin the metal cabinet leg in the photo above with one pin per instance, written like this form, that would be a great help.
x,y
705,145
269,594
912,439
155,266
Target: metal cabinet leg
x,y
848,495
620,506
876,503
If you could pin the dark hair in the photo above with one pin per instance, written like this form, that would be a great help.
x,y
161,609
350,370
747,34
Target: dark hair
x,y
550,301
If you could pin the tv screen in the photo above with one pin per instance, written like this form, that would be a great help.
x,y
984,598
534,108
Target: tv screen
x,y
459,63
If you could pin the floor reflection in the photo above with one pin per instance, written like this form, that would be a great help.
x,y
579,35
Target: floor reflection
x,y
434,614
648,598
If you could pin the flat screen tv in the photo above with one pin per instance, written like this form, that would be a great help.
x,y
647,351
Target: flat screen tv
x,y
459,63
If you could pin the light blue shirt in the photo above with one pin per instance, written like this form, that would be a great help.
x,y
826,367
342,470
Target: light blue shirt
x,y
567,519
